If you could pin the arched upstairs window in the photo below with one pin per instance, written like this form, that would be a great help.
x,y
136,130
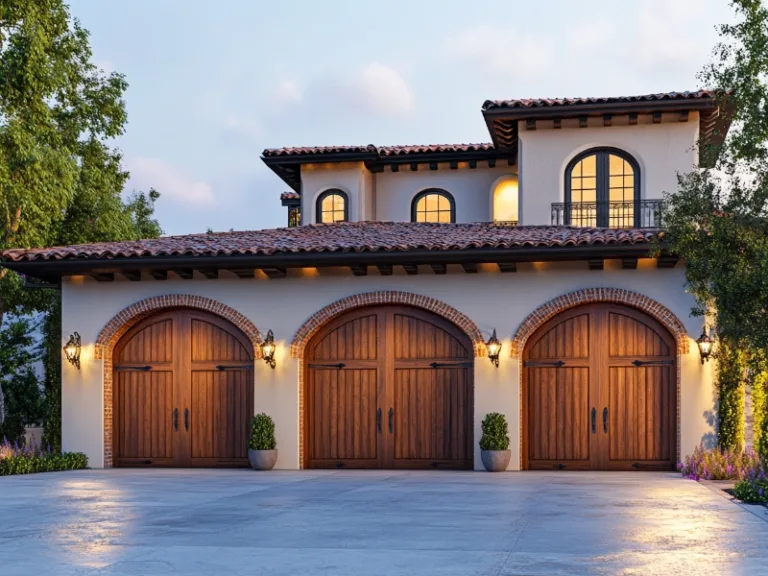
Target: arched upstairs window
x,y
433,205
602,188
332,206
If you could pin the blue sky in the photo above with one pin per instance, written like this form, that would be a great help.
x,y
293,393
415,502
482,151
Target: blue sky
x,y
214,83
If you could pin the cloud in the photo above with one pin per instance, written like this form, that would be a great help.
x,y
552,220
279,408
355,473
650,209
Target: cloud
x,y
288,91
500,51
169,181
384,90
238,130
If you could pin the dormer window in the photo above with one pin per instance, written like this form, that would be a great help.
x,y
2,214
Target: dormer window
x,y
433,205
332,206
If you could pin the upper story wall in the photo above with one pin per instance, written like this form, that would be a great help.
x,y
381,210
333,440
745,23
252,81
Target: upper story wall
x,y
661,150
388,196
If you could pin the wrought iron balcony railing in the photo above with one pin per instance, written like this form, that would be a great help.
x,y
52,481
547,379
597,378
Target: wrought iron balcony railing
x,y
638,214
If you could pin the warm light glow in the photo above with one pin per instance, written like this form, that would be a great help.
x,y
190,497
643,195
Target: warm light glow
x,y
494,348
705,342
268,349
505,201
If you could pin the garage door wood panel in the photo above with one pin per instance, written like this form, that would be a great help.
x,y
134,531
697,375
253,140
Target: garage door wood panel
x,y
375,400
611,361
183,392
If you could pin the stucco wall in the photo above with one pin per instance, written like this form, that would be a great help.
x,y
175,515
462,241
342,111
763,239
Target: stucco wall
x,y
661,150
348,177
490,299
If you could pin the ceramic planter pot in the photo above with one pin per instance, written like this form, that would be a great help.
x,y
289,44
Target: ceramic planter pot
x,y
495,460
262,459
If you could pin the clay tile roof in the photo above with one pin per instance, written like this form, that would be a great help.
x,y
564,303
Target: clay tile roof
x,y
289,196
352,237
561,102
373,152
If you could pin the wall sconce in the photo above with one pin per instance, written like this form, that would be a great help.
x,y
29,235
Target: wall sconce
x,y
494,349
268,349
72,350
705,343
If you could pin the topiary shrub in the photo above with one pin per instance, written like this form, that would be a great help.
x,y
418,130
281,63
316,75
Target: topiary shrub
x,y
262,433
495,432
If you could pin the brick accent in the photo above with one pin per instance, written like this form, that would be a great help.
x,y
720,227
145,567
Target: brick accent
x,y
321,317
590,295
557,305
130,316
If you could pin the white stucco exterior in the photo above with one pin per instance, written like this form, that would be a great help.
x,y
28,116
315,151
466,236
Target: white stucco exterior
x,y
490,299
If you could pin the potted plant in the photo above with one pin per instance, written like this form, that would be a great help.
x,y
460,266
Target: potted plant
x,y
494,444
262,446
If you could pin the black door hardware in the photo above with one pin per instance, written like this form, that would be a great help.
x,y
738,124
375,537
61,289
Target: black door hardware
x,y
338,366
175,419
542,364
451,365
391,418
186,418
133,368
378,420
605,420
653,362
221,367
594,420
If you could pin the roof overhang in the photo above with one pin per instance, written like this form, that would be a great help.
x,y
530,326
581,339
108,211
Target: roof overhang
x,y
54,270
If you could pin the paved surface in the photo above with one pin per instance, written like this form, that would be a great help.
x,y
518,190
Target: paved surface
x,y
362,523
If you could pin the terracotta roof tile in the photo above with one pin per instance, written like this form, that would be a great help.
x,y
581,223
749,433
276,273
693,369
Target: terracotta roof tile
x,y
377,151
351,237
560,102
290,196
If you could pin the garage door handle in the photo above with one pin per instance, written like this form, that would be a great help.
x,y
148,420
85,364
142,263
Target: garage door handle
x,y
391,418
186,419
378,420
594,420
175,419
605,420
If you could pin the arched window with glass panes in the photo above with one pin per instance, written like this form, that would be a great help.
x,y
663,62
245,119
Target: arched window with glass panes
x,y
433,205
332,206
602,188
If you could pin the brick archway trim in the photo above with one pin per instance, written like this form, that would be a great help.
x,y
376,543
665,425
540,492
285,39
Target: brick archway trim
x,y
593,295
133,314
321,317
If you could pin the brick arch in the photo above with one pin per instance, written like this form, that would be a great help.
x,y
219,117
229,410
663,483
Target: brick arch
x,y
133,314
593,295
323,316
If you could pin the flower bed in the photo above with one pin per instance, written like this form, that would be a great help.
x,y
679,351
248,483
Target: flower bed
x,y
745,467
19,460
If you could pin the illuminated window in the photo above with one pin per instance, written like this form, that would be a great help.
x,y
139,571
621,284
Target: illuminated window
x,y
332,207
505,201
602,188
433,206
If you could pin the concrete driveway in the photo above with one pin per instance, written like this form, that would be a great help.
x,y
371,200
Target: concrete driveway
x,y
359,523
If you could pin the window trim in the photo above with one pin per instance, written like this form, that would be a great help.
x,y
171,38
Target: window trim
x,y
319,204
427,192
602,175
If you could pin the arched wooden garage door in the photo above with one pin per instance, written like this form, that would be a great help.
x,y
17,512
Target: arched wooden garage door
x,y
389,387
599,392
183,392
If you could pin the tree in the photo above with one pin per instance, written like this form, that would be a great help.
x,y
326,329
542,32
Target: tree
x,y
717,220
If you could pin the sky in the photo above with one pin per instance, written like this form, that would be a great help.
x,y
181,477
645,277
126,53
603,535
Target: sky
x,y
213,83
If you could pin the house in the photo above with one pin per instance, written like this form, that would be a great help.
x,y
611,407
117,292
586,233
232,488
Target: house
x,y
397,266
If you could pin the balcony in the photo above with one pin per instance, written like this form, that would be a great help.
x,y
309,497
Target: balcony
x,y
639,214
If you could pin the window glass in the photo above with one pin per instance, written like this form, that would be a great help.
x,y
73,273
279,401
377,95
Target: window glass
x,y
332,208
505,201
433,207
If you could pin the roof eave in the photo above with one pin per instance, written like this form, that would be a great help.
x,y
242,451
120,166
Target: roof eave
x,y
52,270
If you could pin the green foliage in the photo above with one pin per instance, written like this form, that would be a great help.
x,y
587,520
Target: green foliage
x,y
52,382
759,391
495,432
753,487
731,388
717,219
262,433
719,464
42,462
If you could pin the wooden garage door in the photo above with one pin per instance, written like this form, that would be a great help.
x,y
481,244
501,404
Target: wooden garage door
x,y
389,387
183,392
599,392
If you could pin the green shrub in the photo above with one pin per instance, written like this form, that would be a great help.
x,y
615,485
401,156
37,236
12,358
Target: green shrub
x,y
719,464
15,460
495,432
262,433
753,488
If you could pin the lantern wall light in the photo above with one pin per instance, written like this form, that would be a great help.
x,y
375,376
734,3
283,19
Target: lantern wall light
x,y
494,349
72,350
705,343
268,349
